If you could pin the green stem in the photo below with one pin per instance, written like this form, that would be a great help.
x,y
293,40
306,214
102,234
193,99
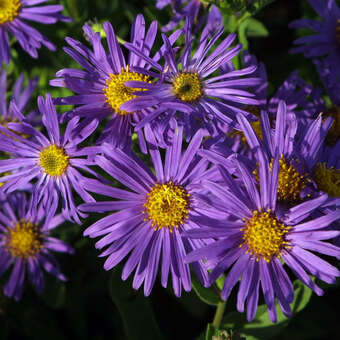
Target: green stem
x,y
219,314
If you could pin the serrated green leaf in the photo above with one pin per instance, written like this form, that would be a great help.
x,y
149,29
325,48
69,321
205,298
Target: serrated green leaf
x,y
262,328
207,295
135,309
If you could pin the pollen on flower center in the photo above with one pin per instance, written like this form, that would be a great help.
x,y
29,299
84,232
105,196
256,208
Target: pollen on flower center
x,y
327,179
167,205
5,121
24,240
290,182
333,134
187,87
264,235
9,10
54,160
117,93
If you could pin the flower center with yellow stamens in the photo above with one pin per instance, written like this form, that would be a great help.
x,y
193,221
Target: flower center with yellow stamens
x,y
290,182
9,10
337,30
24,240
54,160
333,134
167,205
327,179
5,121
117,93
187,87
264,235
256,125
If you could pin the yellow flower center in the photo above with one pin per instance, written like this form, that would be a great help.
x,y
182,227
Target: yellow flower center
x,y
54,160
187,87
327,180
264,235
9,10
337,30
4,122
256,125
167,205
117,93
290,182
3,174
24,240
334,131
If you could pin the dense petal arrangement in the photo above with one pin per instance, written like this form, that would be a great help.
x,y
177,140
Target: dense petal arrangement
x,y
259,240
100,87
54,161
188,87
148,219
326,41
26,245
13,16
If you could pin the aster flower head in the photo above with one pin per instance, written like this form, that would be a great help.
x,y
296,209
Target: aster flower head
x,y
26,246
147,219
259,240
13,17
296,145
50,162
187,85
326,41
100,86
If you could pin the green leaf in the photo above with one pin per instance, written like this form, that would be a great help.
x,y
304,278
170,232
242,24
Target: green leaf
x,y
211,331
207,295
135,310
255,28
262,328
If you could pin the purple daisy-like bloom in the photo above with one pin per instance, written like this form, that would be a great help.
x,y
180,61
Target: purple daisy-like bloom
x,y
187,87
149,218
100,87
297,152
326,41
259,240
26,244
51,163
13,16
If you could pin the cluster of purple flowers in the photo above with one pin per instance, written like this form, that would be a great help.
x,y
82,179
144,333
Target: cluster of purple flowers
x,y
239,184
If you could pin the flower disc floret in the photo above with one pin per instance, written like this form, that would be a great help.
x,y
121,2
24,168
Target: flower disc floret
x,y
327,179
53,160
290,182
187,87
24,240
9,10
117,93
167,205
264,235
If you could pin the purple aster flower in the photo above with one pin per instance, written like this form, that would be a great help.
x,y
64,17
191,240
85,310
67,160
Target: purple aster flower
x,y
259,241
187,87
297,153
13,16
326,41
147,220
51,163
26,244
100,87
